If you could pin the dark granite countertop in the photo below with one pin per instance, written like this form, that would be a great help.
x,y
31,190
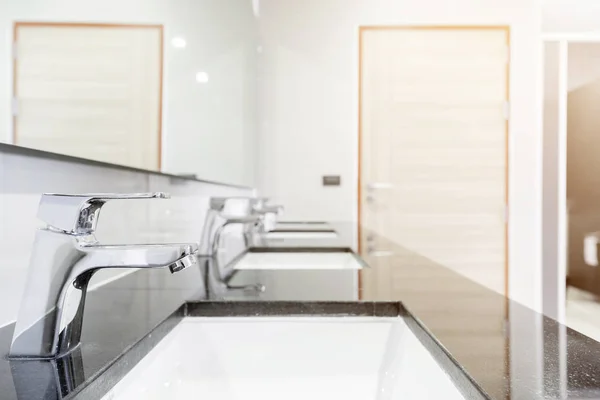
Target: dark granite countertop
x,y
116,317
505,349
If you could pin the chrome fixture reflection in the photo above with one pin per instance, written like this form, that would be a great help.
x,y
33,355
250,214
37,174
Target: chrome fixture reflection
x,y
256,216
219,288
269,216
253,214
59,377
216,213
250,220
65,256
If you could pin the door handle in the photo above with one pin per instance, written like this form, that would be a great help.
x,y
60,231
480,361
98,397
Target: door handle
x,y
379,185
374,186
378,253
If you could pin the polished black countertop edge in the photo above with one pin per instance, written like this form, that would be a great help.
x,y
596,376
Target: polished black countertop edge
x,y
300,249
302,222
285,230
461,378
293,308
29,152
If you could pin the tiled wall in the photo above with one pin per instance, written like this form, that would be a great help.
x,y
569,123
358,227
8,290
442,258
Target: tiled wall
x,y
23,179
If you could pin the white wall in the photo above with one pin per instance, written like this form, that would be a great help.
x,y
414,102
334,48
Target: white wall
x,y
23,179
309,102
554,188
583,64
208,129
570,16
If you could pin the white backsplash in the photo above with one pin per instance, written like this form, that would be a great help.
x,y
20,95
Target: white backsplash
x,y
23,179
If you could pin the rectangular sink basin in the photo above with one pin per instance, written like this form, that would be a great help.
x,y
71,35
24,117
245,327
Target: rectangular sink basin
x,y
298,259
303,226
301,230
312,357
283,235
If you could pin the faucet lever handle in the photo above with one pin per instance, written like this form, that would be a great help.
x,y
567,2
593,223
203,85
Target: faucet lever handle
x,y
269,209
78,213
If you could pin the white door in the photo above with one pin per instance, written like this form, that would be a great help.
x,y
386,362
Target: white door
x,y
90,91
433,152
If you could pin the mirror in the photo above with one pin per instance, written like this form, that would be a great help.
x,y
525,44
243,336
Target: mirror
x,y
165,86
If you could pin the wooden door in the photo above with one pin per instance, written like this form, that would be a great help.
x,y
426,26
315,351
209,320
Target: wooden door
x,y
91,91
433,175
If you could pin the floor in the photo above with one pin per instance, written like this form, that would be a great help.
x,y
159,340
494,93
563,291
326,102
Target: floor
x,y
583,312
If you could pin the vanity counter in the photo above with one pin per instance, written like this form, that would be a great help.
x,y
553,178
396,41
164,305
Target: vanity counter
x,y
507,350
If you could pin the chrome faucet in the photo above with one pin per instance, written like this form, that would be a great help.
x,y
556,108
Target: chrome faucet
x,y
269,214
217,278
216,206
246,221
209,242
65,256
259,217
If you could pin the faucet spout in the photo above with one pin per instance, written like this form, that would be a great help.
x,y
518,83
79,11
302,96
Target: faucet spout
x,y
134,256
51,315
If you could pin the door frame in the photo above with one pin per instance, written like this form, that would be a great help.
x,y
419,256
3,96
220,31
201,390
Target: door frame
x,y
364,28
159,27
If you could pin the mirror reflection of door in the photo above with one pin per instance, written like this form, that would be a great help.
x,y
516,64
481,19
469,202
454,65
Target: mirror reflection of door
x,y
433,154
583,165
89,90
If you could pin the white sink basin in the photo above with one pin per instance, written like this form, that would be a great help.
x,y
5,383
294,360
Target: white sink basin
x,y
314,235
288,358
290,260
303,226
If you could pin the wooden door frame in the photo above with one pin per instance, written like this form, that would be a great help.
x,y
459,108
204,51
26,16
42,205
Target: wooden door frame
x,y
361,31
160,28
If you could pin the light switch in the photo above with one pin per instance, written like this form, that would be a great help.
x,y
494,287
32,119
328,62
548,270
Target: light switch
x,y
332,180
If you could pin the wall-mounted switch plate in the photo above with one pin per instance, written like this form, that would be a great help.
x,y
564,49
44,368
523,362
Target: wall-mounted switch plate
x,y
332,180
